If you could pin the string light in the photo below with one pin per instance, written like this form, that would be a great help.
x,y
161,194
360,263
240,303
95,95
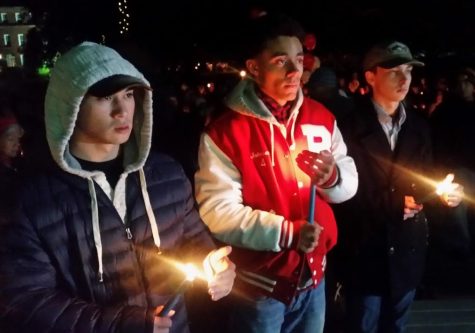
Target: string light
x,y
124,17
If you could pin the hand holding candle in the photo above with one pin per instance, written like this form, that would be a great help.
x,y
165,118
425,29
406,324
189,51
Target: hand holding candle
x,y
449,192
220,272
162,324
319,166
308,237
411,207
191,273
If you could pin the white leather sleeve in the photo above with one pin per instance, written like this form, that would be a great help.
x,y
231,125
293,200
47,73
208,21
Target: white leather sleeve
x,y
347,184
218,190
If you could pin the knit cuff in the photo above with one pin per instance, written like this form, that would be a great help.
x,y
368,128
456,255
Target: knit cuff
x,y
289,235
333,180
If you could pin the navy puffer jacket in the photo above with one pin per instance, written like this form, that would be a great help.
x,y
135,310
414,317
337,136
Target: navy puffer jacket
x,y
81,256
49,267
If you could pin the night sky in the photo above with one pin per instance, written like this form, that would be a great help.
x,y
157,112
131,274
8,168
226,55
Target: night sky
x,y
181,29
344,25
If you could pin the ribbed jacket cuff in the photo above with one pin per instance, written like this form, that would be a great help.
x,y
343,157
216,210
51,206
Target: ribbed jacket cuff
x,y
289,236
333,180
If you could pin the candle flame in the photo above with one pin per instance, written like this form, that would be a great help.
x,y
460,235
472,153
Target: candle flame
x,y
191,272
446,186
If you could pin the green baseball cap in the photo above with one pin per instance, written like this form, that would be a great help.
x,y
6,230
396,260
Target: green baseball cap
x,y
389,55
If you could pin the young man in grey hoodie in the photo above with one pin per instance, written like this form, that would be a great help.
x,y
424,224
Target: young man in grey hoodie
x,y
94,243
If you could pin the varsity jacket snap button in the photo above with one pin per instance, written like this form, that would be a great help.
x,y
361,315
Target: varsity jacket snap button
x,y
314,273
391,250
311,260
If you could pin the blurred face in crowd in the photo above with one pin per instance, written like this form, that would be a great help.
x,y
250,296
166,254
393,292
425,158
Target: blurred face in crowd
x,y
10,142
278,68
390,85
465,88
105,120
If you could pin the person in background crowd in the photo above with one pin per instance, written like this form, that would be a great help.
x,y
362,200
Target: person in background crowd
x,y
453,141
323,87
10,149
10,141
91,245
354,83
383,230
310,64
257,164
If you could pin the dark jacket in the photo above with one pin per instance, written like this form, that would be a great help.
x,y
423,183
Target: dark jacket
x,y
452,126
49,268
8,186
380,252
81,256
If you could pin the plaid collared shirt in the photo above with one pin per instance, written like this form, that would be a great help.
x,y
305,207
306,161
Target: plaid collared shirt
x,y
281,113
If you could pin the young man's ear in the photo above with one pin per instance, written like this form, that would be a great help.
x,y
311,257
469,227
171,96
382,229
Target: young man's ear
x,y
369,76
251,65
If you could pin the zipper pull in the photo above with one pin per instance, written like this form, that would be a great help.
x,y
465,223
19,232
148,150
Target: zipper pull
x,y
129,234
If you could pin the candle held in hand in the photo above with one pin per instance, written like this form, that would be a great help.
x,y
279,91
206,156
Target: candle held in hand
x,y
446,186
311,211
191,273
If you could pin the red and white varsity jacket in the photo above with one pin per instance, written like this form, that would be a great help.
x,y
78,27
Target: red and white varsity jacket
x,y
250,190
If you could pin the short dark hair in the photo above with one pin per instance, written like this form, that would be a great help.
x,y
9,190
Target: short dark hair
x,y
265,28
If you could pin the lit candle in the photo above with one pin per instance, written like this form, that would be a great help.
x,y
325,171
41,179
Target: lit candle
x,y
311,211
446,187
191,273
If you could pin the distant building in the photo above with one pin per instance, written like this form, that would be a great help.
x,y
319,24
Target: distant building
x,y
14,26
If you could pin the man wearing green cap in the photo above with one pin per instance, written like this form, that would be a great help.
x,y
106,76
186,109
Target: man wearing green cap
x,y
383,230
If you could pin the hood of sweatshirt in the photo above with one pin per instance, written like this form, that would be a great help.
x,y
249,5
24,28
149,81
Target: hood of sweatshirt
x,y
73,74
243,99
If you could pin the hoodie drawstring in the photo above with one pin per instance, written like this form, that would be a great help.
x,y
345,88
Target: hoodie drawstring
x,y
148,208
95,227
292,132
272,139
95,220
271,127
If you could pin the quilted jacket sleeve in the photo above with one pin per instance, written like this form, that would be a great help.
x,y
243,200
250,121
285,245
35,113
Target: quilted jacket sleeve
x,y
34,299
197,241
